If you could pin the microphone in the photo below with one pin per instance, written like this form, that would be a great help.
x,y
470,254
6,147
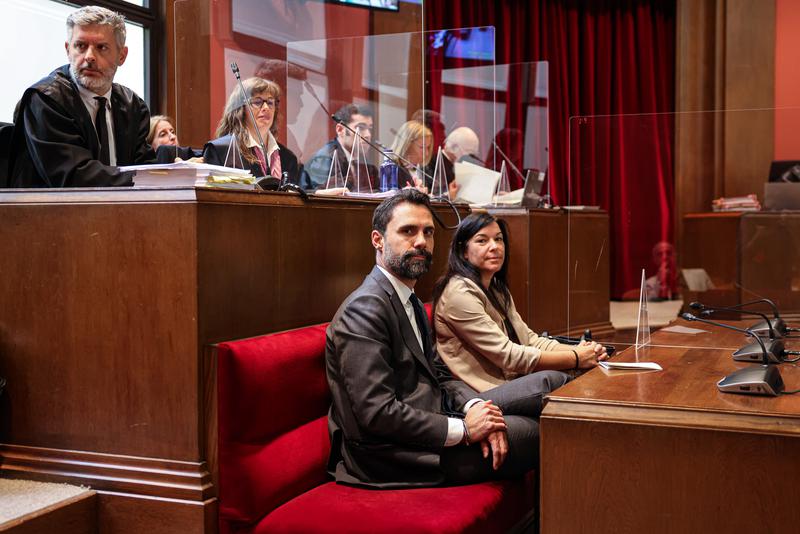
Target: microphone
x,y
761,380
286,185
375,146
268,182
777,323
510,163
751,352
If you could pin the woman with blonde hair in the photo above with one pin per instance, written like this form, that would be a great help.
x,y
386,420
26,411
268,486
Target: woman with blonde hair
x,y
164,140
162,132
237,125
413,149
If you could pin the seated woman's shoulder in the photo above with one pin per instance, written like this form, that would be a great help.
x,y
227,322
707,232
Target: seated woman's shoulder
x,y
461,287
462,282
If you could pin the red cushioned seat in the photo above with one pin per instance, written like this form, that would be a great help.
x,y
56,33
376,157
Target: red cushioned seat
x,y
480,508
273,445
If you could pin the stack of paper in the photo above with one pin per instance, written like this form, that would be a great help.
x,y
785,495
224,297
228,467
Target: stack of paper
x,y
476,184
747,203
514,198
192,174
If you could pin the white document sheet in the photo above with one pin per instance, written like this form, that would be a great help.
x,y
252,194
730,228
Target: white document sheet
x,y
476,184
678,329
630,366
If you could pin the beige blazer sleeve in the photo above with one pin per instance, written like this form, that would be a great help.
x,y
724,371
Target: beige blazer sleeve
x,y
466,312
529,337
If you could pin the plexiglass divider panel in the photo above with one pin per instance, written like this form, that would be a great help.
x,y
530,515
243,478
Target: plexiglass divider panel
x,y
387,76
703,202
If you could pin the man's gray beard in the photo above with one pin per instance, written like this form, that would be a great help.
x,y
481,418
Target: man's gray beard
x,y
99,86
406,267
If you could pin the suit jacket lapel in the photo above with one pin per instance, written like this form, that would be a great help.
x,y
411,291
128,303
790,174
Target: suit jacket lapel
x,y
120,113
85,118
409,338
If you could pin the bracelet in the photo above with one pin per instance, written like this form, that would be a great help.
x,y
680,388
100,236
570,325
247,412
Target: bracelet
x,y
577,360
466,432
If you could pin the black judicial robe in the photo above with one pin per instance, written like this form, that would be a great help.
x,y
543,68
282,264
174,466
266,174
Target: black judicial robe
x,y
55,143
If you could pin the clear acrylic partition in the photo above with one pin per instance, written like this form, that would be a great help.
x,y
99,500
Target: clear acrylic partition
x,y
400,80
298,45
656,175
493,115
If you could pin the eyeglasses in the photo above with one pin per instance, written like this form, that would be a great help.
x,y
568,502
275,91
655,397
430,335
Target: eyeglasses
x,y
257,103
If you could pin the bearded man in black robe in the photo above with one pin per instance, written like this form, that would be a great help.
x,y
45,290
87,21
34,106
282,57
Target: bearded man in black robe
x,y
75,127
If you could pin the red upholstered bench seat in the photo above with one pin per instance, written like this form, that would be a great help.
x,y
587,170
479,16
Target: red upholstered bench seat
x,y
333,508
273,447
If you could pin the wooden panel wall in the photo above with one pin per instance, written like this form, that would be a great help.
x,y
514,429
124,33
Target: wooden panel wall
x,y
725,61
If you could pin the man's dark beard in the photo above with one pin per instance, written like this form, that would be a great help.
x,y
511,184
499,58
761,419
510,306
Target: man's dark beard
x,y
406,267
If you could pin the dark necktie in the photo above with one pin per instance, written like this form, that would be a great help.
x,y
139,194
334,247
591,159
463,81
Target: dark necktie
x,y
102,130
424,332
422,325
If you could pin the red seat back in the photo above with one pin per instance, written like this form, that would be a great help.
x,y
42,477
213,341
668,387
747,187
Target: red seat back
x,y
273,401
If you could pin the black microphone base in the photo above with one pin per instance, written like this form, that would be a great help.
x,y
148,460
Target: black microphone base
x,y
268,183
753,352
756,380
761,328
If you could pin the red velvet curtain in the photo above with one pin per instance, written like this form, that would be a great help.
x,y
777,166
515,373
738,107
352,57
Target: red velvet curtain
x,y
611,86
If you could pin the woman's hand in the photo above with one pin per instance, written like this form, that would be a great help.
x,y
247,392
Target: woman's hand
x,y
590,353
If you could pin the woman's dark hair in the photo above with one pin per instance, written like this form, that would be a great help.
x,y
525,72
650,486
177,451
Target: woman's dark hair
x,y
458,265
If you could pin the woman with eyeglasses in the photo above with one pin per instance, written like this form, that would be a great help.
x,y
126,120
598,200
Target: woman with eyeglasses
x,y
236,125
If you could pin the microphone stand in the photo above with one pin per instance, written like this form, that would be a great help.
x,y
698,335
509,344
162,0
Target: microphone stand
x,y
761,380
510,163
375,146
751,352
776,323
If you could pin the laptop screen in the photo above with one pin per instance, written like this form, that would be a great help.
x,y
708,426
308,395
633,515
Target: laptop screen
x,y
784,171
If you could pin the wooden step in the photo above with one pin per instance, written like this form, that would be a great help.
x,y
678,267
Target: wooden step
x,y
28,507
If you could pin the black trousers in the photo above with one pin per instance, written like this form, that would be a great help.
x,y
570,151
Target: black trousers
x,y
521,403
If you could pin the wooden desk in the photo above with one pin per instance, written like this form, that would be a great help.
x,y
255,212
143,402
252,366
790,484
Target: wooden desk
x,y
747,255
666,451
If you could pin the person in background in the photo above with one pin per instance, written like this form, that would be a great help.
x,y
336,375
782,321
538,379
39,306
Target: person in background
x,y
291,80
413,149
461,142
480,335
164,140
76,127
237,143
162,132
317,168
435,123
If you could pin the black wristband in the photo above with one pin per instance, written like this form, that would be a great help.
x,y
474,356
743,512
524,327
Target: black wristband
x,y
577,360
465,440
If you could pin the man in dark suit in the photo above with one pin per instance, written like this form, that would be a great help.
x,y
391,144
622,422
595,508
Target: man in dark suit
x,y
318,166
75,127
398,418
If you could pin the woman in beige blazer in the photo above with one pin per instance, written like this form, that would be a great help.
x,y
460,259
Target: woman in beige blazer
x,y
479,334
